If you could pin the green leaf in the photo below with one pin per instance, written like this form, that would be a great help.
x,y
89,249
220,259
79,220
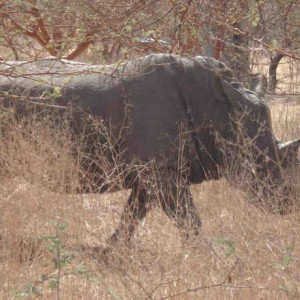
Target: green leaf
x,y
228,245
81,268
128,28
255,20
53,283
275,43
288,256
62,226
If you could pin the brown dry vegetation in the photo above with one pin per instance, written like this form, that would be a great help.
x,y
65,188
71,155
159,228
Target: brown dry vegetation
x,y
47,238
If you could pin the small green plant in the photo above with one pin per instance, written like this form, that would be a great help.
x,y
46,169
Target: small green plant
x,y
287,258
53,93
30,289
61,259
227,245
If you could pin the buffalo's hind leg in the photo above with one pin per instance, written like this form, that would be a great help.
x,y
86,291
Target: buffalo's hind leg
x,y
135,210
177,202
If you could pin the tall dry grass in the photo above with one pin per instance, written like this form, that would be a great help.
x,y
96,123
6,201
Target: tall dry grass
x,y
48,238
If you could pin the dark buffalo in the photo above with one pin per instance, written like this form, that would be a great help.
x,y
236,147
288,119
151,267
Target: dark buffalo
x,y
173,121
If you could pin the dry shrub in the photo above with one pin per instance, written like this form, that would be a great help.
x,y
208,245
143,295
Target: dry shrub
x,y
36,150
48,238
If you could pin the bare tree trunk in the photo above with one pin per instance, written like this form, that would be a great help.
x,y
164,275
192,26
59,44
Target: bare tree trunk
x,y
236,56
275,60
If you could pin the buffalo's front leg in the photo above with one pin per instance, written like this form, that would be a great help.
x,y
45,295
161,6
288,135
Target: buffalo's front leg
x,y
177,202
135,210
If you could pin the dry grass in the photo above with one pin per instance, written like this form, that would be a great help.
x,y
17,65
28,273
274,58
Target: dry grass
x,y
288,79
46,237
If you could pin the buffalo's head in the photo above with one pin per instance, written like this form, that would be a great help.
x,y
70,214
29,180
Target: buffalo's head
x,y
268,159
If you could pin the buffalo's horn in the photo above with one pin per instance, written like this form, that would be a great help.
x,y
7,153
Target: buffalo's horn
x,y
288,151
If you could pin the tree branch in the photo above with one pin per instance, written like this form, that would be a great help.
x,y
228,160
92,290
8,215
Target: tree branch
x,y
227,279
267,46
34,35
81,46
39,20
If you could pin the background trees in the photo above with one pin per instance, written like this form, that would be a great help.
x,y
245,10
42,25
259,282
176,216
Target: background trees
x,y
249,35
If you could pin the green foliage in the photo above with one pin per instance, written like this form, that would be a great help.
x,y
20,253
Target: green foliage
x,y
55,92
274,43
128,28
81,268
227,245
29,290
61,259
286,258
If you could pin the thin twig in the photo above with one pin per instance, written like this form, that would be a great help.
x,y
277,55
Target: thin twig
x,y
202,287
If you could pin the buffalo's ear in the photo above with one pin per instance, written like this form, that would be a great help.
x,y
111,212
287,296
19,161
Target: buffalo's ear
x,y
288,153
